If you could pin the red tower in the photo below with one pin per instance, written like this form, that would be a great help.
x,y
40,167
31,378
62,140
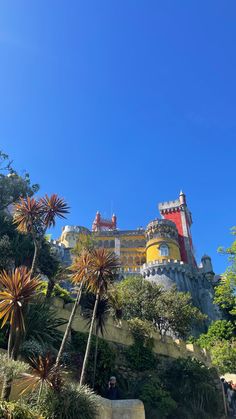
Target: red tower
x,y
178,212
102,224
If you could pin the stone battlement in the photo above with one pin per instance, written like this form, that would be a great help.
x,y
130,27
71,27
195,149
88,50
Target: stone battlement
x,y
163,262
169,204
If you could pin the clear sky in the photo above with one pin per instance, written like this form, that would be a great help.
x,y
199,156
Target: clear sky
x,y
117,105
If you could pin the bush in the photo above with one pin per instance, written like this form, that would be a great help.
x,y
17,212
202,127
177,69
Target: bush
x,y
41,324
191,385
140,358
139,355
10,410
71,402
223,356
58,291
142,332
220,330
156,399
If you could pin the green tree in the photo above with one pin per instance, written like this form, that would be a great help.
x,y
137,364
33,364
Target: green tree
x,y
220,330
220,338
225,295
12,185
148,301
223,356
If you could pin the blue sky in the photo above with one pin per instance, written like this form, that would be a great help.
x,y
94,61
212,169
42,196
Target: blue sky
x,y
117,105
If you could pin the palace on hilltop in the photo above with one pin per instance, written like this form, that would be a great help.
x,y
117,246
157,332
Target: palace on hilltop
x,y
163,252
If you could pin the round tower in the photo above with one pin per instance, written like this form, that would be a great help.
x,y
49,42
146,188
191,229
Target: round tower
x,y
162,241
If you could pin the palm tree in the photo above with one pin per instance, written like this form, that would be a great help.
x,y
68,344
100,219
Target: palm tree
x,y
100,320
79,277
17,289
27,216
101,273
35,216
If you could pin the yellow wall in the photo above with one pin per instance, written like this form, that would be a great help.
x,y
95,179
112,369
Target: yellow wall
x,y
153,253
132,257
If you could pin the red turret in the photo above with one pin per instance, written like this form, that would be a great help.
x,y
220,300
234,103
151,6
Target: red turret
x,y
102,224
178,212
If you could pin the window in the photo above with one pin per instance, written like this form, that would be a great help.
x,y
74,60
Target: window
x,y
164,250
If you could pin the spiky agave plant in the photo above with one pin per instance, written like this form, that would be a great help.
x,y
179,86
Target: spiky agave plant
x,y
72,402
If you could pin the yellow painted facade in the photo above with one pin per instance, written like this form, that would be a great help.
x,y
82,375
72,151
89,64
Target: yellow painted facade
x,y
130,245
153,249
133,247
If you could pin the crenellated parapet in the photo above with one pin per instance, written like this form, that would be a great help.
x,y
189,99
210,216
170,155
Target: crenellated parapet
x,y
167,266
161,228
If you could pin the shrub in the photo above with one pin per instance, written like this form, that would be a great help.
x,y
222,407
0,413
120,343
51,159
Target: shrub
x,y
156,399
58,291
223,355
42,331
191,385
11,368
71,402
220,330
142,332
140,358
139,355
10,410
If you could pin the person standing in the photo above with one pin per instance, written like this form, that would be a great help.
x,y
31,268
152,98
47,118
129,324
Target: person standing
x,y
112,391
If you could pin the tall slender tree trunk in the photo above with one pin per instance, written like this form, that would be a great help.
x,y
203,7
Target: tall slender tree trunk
x,y
9,344
89,338
67,331
40,392
95,359
50,287
36,247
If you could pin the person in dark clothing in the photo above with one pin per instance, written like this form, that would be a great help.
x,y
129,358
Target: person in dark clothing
x,y
112,391
225,385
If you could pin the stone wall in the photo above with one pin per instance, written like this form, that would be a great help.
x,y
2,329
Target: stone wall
x,y
120,334
121,409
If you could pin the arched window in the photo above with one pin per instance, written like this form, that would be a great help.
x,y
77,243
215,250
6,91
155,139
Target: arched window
x,y
164,250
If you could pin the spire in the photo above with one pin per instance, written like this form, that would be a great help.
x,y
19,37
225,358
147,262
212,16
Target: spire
x,y
182,197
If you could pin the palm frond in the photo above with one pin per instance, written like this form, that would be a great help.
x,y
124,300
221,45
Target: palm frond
x,y
102,270
16,289
53,207
80,269
26,214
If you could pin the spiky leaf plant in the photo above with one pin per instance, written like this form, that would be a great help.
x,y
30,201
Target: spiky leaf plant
x,y
72,402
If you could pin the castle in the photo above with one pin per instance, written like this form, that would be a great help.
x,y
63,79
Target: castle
x,y
162,253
